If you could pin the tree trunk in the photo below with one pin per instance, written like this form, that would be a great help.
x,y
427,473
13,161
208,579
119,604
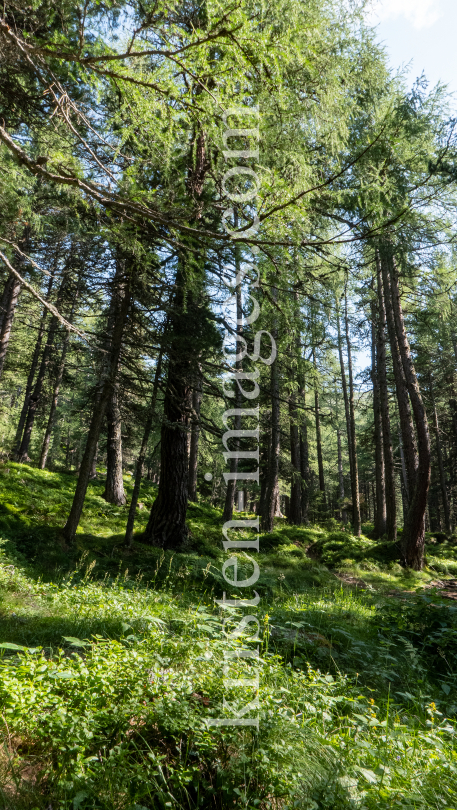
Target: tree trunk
x,y
295,513
320,462
404,408
53,409
231,484
10,308
142,454
265,450
9,302
439,453
57,384
114,485
122,289
356,521
271,490
30,380
194,438
342,512
167,521
4,303
414,532
345,391
93,469
37,389
304,460
380,502
388,453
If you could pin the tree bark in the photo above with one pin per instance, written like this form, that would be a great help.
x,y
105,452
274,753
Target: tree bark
x,y
35,396
271,490
342,512
388,453
295,513
167,521
10,308
439,453
54,401
9,302
111,362
30,379
414,532
231,484
265,450
5,298
304,460
404,408
93,469
57,384
114,485
356,521
380,503
142,453
345,391
317,417
194,439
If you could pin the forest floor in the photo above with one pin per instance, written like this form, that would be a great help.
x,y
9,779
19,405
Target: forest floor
x,y
112,661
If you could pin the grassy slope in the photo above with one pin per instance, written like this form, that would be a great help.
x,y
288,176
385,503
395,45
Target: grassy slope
x,y
106,705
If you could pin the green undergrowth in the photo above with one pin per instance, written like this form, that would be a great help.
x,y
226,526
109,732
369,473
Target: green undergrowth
x,y
113,664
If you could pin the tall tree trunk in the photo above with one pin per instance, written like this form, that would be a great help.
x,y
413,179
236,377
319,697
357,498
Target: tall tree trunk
x,y
142,453
54,401
414,532
5,298
265,450
9,302
388,452
114,485
345,390
304,459
295,513
35,396
380,510
31,376
403,477
93,469
342,512
317,417
57,384
404,408
194,439
231,484
271,490
122,289
167,520
439,453
10,308
356,521
453,459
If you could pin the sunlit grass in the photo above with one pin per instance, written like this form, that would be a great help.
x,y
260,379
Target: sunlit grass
x,y
123,656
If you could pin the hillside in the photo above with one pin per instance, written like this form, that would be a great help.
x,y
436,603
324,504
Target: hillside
x,y
112,665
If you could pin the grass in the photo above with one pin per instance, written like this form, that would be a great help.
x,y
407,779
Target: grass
x,y
112,663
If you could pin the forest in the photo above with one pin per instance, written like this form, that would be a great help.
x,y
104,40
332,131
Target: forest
x,y
228,283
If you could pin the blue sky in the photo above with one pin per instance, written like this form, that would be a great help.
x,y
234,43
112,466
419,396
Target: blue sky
x,y
423,31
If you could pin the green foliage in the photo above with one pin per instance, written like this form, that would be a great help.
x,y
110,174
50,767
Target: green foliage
x,y
336,547
109,674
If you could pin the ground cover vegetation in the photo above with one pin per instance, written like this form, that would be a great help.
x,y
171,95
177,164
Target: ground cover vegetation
x,y
112,660
134,137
